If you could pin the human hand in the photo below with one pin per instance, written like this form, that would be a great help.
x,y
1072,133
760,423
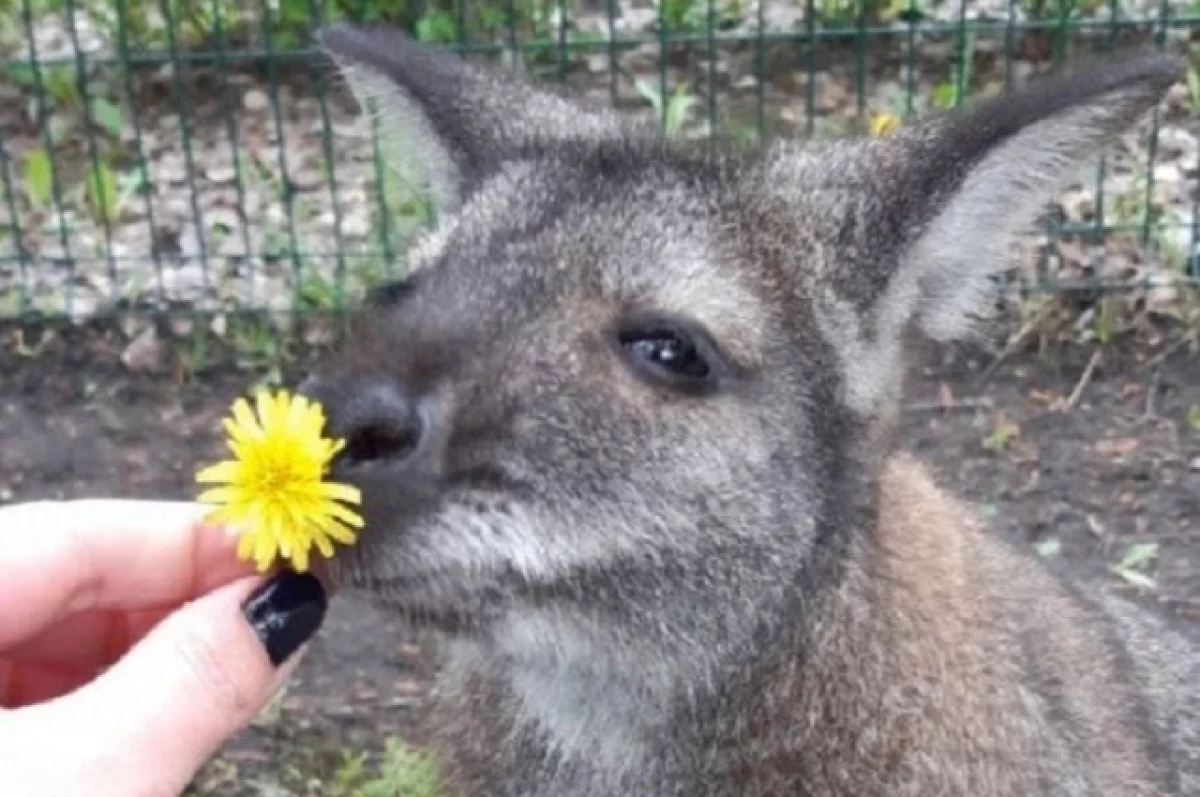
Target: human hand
x,y
133,644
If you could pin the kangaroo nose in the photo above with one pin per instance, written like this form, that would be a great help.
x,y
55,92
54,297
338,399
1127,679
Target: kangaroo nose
x,y
377,421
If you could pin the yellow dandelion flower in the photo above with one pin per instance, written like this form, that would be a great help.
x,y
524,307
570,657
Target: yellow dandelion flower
x,y
883,124
273,491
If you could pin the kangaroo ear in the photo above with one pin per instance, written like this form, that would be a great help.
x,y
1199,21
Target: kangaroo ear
x,y
447,123
989,172
944,203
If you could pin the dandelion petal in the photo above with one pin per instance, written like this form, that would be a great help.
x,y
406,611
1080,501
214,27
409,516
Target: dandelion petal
x,y
227,471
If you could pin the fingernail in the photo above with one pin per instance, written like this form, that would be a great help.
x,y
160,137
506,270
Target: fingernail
x,y
285,612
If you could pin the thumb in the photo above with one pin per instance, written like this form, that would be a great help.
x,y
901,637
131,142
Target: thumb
x,y
195,680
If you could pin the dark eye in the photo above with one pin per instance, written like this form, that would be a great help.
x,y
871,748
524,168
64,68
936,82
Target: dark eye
x,y
670,352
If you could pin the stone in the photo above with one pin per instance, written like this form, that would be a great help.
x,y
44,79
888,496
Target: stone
x,y
255,100
145,352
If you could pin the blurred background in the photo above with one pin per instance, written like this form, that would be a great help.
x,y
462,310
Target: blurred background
x,y
193,155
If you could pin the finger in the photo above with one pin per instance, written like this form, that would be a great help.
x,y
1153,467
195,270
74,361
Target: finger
x,y
192,683
70,654
98,636
31,684
105,554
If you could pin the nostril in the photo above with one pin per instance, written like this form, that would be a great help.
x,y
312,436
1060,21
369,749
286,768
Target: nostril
x,y
377,423
379,441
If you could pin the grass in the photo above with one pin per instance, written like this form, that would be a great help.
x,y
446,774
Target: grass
x,y
397,770
401,772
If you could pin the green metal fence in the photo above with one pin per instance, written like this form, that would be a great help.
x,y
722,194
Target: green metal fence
x,y
192,154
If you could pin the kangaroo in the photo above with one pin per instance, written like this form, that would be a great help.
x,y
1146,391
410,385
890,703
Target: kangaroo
x,y
625,438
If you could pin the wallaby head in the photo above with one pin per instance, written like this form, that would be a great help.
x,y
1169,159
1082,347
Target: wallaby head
x,y
630,406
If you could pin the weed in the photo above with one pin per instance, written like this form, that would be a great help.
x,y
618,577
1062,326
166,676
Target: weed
x,y
103,192
1105,322
1133,565
272,712
681,16
370,271
64,120
437,25
1193,84
61,84
351,772
1062,10
674,112
38,177
196,356
1003,432
318,292
954,90
12,303
25,349
260,347
1133,205
191,24
402,772
842,13
108,116
216,775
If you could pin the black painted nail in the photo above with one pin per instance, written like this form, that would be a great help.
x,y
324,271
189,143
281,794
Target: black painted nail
x,y
285,612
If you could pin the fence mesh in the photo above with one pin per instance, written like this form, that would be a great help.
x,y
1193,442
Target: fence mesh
x,y
197,155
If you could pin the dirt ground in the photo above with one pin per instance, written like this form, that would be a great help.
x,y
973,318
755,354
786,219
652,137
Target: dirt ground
x,y
1089,484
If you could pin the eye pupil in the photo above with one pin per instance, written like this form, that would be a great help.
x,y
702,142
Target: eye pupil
x,y
660,349
668,350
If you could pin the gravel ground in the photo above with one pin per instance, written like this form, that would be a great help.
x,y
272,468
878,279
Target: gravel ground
x,y
1090,454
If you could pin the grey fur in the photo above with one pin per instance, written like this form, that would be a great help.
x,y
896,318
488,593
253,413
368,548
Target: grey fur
x,y
751,591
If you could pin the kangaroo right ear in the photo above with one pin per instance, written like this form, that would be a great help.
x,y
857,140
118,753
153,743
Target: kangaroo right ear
x,y
445,122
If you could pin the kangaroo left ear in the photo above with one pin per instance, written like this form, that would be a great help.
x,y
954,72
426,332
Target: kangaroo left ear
x,y
989,171
447,123
946,201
